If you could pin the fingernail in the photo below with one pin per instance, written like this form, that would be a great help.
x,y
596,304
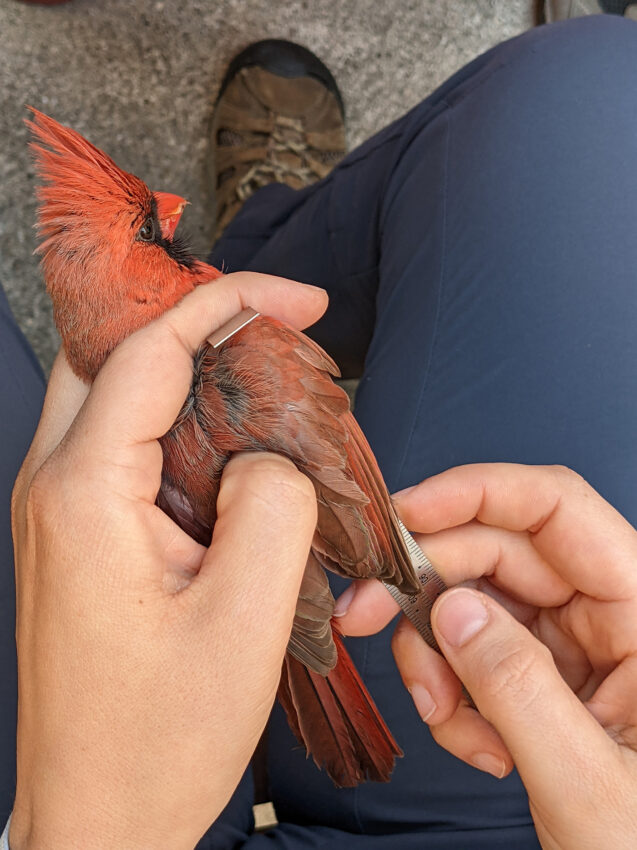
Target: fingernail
x,y
425,705
341,606
489,764
315,288
460,616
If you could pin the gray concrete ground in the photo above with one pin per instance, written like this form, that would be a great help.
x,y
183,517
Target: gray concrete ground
x,y
138,78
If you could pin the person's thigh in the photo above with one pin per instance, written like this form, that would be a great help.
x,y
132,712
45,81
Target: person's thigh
x,y
506,318
499,308
21,395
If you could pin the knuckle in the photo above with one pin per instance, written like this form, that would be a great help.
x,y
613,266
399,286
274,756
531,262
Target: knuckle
x,y
281,477
40,497
567,477
274,480
169,331
515,676
18,494
58,496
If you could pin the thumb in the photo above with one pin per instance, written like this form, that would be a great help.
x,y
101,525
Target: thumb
x,y
266,516
512,678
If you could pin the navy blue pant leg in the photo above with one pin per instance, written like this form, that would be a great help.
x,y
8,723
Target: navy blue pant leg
x,y
21,396
480,258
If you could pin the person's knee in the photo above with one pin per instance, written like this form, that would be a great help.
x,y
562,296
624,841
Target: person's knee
x,y
561,72
601,32
592,53
556,85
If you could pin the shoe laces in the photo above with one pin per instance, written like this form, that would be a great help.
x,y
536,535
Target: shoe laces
x,y
286,145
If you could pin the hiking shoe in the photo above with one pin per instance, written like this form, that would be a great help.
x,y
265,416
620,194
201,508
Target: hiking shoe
x,y
279,118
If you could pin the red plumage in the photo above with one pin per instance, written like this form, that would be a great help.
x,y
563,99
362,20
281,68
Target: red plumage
x,y
111,265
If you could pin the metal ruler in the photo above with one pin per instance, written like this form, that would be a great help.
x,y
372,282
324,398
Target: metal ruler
x,y
417,606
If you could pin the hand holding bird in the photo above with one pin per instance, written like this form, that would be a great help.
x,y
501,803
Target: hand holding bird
x,y
112,265
134,725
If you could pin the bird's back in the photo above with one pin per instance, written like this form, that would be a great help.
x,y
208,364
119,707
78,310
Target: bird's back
x,y
270,388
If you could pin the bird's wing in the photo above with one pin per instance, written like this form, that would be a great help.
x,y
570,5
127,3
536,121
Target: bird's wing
x,y
174,502
311,641
303,414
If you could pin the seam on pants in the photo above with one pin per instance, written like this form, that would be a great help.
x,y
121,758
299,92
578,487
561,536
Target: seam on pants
x,y
443,264
334,227
440,110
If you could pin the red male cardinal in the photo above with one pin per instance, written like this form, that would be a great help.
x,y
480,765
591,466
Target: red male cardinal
x,y
111,266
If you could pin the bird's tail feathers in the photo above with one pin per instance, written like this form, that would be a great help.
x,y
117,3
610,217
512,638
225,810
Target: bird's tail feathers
x,y
339,723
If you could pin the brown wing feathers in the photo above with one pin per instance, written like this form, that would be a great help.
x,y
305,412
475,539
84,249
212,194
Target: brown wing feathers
x,y
270,387
357,534
327,704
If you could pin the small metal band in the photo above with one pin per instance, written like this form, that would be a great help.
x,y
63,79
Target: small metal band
x,y
231,327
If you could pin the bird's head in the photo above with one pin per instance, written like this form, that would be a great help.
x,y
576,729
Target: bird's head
x,y
111,262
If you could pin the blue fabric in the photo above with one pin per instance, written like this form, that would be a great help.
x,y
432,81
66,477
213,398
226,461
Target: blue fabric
x,y
21,396
480,257
4,838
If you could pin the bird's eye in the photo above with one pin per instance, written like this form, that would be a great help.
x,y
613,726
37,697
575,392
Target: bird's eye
x,y
147,231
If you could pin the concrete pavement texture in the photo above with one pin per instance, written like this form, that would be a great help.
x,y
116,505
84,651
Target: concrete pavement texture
x,y
138,78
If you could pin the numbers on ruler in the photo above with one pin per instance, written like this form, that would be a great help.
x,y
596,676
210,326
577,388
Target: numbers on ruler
x,y
417,607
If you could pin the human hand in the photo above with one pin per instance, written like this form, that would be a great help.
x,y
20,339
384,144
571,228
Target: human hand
x,y
552,668
147,664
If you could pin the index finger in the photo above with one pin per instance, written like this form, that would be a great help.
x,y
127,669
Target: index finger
x,y
139,391
143,402
296,303
579,533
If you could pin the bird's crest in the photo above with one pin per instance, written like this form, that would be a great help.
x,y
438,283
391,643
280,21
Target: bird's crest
x,y
110,260
82,183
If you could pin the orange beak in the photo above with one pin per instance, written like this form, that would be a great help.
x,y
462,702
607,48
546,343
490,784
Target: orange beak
x,y
169,210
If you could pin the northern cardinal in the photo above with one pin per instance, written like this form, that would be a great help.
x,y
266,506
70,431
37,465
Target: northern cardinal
x,y
111,265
